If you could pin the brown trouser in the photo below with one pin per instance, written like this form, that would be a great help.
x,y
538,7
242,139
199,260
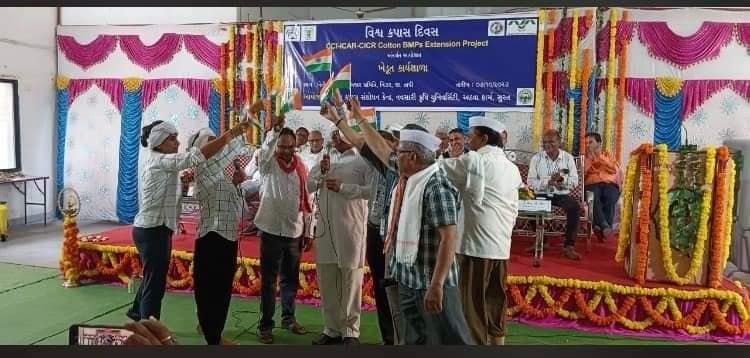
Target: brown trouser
x,y
483,286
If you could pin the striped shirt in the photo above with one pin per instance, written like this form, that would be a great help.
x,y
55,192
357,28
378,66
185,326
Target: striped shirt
x,y
439,208
160,187
219,199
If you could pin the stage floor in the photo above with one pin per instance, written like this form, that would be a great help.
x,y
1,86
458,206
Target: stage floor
x,y
594,294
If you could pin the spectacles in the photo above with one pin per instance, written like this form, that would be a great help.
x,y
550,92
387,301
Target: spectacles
x,y
399,152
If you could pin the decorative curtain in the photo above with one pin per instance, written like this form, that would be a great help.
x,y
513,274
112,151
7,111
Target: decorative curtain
x,y
203,50
62,107
668,104
112,87
87,55
150,56
640,92
197,89
685,51
214,107
127,176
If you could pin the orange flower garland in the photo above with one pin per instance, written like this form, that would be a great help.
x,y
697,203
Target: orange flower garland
x,y
223,88
69,259
644,218
718,217
585,77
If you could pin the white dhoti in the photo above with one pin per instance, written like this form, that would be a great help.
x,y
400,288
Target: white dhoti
x,y
341,296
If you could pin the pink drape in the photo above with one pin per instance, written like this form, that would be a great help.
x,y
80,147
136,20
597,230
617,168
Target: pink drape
x,y
640,92
743,33
150,56
684,51
203,50
89,54
563,31
111,86
624,36
601,85
742,88
198,90
560,84
696,92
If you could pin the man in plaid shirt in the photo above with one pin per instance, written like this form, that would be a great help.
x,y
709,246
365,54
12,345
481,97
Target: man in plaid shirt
x,y
422,227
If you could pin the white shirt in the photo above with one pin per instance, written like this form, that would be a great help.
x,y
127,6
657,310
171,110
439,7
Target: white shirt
x,y
341,229
487,225
219,199
310,158
278,213
160,187
541,168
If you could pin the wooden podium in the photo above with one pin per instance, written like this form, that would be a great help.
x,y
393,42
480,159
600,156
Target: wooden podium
x,y
655,267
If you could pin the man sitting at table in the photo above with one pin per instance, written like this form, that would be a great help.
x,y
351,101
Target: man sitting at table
x,y
553,170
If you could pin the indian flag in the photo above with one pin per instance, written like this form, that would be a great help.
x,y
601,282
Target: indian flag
x,y
319,62
293,103
368,113
342,80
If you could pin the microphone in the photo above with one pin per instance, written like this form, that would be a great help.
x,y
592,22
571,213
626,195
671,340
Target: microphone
x,y
327,156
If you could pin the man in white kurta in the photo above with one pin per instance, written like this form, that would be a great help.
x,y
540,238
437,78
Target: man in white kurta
x,y
340,238
488,182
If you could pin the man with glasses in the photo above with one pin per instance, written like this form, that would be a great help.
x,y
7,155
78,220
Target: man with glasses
x,y
554,171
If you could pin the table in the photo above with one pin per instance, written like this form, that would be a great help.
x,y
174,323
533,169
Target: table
x,y
538,217
15,181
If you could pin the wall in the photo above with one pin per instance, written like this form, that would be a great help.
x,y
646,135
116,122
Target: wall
x,y
319,13
146,15
28,54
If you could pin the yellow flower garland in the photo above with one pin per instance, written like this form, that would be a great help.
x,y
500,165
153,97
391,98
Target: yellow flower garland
x,y
610,82
231,70
536,124
572,74
62,82
730,208
132,84
702,235
627,202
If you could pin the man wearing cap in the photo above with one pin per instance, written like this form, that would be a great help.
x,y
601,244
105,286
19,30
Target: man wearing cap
x,y
488,183
456,144
422,228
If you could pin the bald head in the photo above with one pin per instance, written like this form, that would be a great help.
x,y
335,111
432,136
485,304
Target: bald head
x,y
316,141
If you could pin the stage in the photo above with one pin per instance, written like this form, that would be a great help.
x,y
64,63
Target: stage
x,y
593,294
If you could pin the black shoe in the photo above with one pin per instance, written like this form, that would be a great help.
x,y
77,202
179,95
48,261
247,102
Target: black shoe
x,y
351,341
325,340
134,316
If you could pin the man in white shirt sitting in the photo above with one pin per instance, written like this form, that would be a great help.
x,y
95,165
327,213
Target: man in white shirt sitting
x,y
488,183
553,170
283,207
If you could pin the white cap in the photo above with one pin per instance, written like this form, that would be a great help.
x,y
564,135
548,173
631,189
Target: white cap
x,y
480,121
394,128
200,138
159,133
428,140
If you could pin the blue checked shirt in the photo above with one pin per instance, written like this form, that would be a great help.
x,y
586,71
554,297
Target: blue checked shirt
x,y
440,208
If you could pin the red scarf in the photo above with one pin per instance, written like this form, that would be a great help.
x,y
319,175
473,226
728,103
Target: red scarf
x,y
297,165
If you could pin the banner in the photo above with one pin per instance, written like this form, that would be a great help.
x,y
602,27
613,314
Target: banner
x,y
477,63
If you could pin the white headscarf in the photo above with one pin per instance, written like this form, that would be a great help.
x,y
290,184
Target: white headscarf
x,y
200,138
159,133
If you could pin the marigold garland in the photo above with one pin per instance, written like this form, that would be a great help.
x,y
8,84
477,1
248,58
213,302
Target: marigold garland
x,y
729,220
585,78
718,217
223,89
620,114
132,84
536,124
644,214
62,82
628,191
610,81
573,74
231,73
702,235
69,258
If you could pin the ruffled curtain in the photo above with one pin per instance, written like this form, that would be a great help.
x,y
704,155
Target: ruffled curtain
x,y
203,50
743,33
667,121
198,90
697,92
88,55
685,51
150,56
640,92
111,86
562,44
624,36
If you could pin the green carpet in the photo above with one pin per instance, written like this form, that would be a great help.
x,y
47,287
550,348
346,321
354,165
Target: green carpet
x,y
40,311
13,276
